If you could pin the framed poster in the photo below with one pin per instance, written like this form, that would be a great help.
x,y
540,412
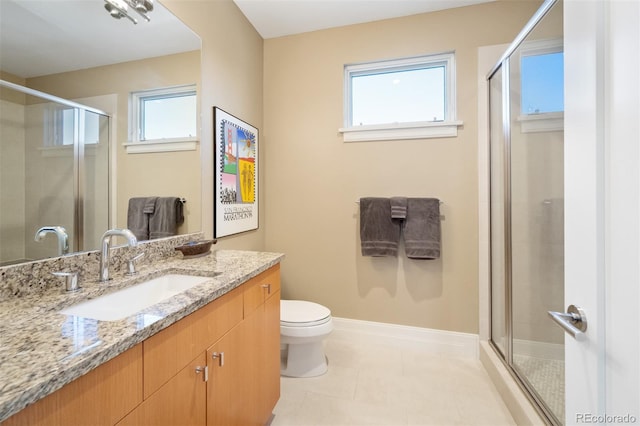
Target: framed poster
x,y
236,175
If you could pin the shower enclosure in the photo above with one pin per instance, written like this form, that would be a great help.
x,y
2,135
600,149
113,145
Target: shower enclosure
x,y
527,208
54,173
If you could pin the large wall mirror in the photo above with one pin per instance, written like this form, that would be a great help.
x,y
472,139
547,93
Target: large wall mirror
x,y
77,51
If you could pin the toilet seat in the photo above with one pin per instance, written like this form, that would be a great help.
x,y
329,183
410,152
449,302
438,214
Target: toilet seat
x,y
300,313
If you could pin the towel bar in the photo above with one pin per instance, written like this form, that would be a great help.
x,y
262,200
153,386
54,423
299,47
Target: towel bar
x,y
442,217
358,202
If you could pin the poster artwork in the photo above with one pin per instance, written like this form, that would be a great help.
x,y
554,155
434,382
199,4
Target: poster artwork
x,y
238,172
236,175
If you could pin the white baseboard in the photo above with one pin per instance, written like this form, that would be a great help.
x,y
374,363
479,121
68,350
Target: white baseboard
x,y
449,343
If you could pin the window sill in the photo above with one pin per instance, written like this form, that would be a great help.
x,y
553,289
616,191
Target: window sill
x,y
161,145
545,122
417,130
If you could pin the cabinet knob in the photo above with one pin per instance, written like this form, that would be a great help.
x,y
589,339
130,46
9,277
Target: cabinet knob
x,y
205,371
219,356
268,287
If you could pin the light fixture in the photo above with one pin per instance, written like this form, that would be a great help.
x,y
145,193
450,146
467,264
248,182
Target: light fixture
x,y
120,8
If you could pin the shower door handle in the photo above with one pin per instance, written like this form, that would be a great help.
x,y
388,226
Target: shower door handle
x,y
573,322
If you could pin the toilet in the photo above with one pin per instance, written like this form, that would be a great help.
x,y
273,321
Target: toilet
x,y
303,327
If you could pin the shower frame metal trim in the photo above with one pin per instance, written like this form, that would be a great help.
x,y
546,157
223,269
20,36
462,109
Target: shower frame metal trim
x,y
48,97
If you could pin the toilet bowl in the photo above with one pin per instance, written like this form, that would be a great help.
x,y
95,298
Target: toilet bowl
x,y
303,327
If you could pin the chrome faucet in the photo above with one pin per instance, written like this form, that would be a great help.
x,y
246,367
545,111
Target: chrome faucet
x,y
61,233
132,241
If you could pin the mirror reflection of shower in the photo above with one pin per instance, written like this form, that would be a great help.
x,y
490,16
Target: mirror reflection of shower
x,y
54,175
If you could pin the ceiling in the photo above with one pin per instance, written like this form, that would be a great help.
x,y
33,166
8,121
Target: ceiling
x,y
42,37
276,18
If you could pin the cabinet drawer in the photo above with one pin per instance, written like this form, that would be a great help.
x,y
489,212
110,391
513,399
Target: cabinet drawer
x,y
168,351
260,288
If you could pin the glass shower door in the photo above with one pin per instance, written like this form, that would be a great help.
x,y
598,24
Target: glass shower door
x,y
527,209
537,209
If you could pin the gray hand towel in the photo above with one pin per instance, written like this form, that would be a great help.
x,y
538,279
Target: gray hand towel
x,y
150,205
398,207
137,219
166,217
379,234
422,228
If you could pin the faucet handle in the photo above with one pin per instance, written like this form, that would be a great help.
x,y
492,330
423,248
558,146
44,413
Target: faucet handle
x,y
132,264
70,280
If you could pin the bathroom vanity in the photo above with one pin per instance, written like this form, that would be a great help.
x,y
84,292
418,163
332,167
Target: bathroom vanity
x,y
209,355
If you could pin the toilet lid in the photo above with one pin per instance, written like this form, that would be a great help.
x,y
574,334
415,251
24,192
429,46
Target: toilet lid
x,y
302,313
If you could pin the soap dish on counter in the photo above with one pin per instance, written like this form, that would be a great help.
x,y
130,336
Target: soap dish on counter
x,y
196,248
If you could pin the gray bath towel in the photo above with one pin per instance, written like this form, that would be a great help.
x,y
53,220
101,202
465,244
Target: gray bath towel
x,y
398,207
379,234
137,219
166,217
422,228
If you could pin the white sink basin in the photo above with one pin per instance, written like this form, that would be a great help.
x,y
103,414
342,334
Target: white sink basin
x,y
128,301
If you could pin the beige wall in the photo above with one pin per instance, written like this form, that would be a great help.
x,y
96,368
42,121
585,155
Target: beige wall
x,y
12,179
290,88
314,178
232,80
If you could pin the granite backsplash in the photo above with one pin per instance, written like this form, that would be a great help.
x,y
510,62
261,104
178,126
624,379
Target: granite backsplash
x,y
32,278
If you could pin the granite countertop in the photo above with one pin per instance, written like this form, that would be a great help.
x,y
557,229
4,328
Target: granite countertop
x,y
41,350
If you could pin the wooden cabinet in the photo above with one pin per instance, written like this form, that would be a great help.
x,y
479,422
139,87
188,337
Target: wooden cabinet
x,y
269,392
101,397
168,351
230,393
181,401
244,366
262,313
260,288
218,366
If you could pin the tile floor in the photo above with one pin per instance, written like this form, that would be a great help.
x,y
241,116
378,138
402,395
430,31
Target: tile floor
x,y
383,383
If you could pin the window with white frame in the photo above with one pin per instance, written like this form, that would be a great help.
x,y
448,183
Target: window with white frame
x,y
163,120
61,126
407,98
541,86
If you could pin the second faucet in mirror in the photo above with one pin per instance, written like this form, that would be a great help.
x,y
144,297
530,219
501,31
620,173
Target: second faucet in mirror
x,y
61,234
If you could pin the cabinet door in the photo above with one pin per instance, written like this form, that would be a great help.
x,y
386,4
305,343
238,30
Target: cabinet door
x,y
180,401
170,350
268,357
231,389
